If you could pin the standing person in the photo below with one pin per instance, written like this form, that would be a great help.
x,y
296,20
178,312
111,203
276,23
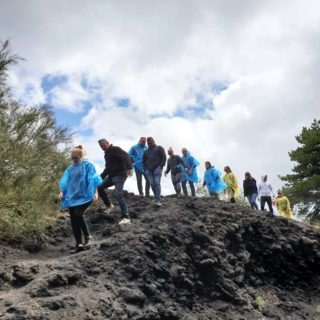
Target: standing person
x,y
283,205
231,181
265,193
78,188
136,152
154,159
212,179
176,165
118,167
250,190
189,175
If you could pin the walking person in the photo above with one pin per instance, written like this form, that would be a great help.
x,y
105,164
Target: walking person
x,y
212,179
176,165
283,205
118,167
250,190
189,175
154,159
231,181
78,188
265,193
136,152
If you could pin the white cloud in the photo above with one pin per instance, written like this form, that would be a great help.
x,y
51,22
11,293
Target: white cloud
x,y
161,55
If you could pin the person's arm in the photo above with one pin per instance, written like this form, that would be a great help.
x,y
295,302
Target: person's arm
x,y
245,193
131,153
63,183
168,168
163,157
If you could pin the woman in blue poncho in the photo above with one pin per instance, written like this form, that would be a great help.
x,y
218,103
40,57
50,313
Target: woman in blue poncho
x,y
212,179
78,188
190,174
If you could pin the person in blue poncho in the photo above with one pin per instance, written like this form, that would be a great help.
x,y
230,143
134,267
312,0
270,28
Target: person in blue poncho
x,y
136,152
78,188
212,179
190,175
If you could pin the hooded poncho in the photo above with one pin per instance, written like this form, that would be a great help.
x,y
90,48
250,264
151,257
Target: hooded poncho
x,y
191,163
213,181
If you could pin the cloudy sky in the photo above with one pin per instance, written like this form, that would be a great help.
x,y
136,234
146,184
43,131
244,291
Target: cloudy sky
x,y
233,81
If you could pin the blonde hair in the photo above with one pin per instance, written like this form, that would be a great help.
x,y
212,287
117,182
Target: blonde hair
x,y
78,150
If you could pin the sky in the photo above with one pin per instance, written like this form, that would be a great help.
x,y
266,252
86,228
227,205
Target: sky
x,y
232,81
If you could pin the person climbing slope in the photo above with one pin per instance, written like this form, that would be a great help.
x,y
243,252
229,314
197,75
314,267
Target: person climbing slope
x,y
232,190
78,188
189,175
283,205
250,190
265,193
212,179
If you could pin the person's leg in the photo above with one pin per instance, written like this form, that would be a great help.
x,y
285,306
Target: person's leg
x,y
193,191
262,203
75,223
253,201
150,178
184,188
147,187
269,202
213,195
118,193
79,212
106,183
139,181
174,183
157,185
178,178
249,197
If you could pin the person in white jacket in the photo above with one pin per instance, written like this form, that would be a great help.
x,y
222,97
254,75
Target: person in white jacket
x,y
265,193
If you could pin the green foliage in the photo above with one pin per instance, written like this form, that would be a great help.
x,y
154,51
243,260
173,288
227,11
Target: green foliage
x,y
303,185
33,155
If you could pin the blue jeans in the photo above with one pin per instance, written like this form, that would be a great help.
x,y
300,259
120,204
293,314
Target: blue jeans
x,y
154,178
118,183
252,200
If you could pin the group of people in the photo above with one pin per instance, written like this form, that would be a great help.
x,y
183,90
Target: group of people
x,y
80,184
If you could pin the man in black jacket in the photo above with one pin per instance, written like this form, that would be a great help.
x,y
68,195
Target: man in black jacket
x,y
117,168
153,160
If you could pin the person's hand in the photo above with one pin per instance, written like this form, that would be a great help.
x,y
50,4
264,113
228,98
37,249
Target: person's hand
x,y
95,196
186,169
190,173
129,172
60,195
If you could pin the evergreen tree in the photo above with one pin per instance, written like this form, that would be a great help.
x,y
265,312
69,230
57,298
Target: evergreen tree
x,y
32,158
303,185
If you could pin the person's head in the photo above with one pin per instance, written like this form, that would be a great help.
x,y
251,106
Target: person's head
x,y
184,151
142,141
280,194
227,169
104,144
150,142
170,152
207,165
247,175
264,178
77,154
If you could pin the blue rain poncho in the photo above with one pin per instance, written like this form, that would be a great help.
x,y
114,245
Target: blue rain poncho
x,y
136,152
213,181
78,184
190,162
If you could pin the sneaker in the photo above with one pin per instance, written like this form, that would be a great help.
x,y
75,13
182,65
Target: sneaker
x,y
109,209
125,221
79,247
157,203
88,241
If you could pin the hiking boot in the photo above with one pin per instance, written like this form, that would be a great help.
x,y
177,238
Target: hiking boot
x,y
157,203
88,241
109,209
125,221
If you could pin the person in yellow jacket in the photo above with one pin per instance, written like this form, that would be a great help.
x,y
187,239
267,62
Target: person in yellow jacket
x,y
230,180
283,205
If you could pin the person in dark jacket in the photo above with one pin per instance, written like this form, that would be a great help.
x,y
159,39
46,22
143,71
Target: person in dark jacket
x,y
176,165
250,190
153,160
118,167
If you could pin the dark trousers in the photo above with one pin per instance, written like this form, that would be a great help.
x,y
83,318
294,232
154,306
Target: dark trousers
x,y
118,183
176,181
265,200
184,188
78,222
139,175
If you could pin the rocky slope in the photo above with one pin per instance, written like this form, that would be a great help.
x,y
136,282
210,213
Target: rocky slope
x,y
202,259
